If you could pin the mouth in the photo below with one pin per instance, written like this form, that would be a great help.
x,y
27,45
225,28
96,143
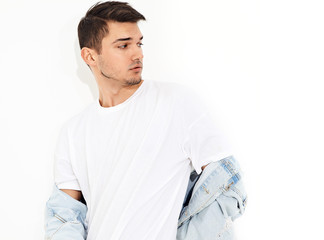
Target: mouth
x,y
136,68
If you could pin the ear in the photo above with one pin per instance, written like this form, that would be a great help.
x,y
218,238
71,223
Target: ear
x,y
89,56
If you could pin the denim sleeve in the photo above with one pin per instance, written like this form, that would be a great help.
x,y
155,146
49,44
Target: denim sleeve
x,y
217,202
64,217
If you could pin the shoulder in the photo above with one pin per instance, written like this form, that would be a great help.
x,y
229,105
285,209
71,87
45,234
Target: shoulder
x,y
179,90
79,118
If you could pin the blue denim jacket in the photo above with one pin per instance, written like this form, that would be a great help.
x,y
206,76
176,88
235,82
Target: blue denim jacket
x,y
214,199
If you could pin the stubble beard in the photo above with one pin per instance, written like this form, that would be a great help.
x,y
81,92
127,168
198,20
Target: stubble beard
x,y
127,82
133,81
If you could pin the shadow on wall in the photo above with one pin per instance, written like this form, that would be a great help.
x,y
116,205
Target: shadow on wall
x,y
83,71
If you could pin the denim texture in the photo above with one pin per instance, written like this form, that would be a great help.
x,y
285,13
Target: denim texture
x,y
64,217
218,197
213,200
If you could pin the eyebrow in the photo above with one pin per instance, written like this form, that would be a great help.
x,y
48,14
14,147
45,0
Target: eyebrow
x,y
124,39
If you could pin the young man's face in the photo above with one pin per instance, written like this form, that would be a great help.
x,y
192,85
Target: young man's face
x,y
121,51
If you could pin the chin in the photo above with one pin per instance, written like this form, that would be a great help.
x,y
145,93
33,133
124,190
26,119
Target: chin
x,y
133,81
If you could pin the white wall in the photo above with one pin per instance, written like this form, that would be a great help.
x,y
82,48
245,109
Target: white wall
x,y
258,65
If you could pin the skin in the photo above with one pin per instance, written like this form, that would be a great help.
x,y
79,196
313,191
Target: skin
x,y
73,193
203,167
112,66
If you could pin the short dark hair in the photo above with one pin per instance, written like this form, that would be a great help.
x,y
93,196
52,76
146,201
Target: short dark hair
x,y
93,26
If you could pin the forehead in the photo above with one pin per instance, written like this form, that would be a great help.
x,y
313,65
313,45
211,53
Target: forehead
x,y
118,30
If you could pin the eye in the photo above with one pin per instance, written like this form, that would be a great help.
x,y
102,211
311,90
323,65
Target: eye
x,y
122,46
140,44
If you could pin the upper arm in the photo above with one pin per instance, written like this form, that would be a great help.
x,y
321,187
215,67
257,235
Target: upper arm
x,y
205,142
73,193
64,174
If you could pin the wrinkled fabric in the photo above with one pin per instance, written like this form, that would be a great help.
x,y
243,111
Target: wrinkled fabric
x,y
218,197
132,161
64,217
213,200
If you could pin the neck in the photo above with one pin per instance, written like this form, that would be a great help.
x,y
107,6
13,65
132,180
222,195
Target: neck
x,y
115,92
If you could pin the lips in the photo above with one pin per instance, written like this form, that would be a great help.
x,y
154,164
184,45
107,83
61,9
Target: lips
x,y
136,67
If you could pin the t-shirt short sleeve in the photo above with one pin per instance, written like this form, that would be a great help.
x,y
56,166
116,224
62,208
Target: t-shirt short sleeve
x,y
205,141
64,176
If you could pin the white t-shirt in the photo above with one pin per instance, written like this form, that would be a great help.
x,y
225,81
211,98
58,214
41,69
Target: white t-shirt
x,y
132,161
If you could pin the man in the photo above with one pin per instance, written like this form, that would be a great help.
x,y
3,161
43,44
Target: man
x,y
129,154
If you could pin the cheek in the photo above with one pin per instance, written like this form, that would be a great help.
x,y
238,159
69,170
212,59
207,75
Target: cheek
x,y
114,61
105,63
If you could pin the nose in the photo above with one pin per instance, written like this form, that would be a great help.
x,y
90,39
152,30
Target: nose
x,y
138,54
